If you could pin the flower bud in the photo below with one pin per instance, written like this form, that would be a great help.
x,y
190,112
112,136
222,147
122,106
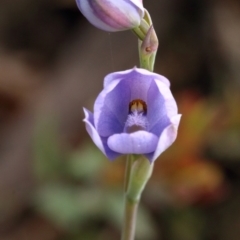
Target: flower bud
x,y
112,15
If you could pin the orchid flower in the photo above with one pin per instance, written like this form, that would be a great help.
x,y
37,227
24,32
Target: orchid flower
x,y
135,113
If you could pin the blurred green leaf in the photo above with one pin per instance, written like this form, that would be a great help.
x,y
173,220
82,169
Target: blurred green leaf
x,y
48,156
70,207
86,162
58,203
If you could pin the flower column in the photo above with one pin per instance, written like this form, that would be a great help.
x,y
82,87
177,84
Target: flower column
x,y
135,113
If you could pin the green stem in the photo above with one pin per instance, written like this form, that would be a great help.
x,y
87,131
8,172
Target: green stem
x,y
130,216
130,207
138,172
128,172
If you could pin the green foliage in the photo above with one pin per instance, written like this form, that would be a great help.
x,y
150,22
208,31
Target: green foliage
x,y
71,193
70,206
48,157
85,163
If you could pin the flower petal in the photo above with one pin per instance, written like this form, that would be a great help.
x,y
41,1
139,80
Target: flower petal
x,y
156,113
101,143
139,142
135,80
115,76
111,108
141,78
170,103
153,75
166,139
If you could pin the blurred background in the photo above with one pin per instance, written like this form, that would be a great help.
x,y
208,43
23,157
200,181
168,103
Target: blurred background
x,y
55,184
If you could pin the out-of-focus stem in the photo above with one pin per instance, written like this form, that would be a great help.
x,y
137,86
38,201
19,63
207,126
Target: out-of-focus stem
x,y
130,216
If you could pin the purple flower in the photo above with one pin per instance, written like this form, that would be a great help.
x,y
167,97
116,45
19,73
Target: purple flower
x,y
112,15
135,113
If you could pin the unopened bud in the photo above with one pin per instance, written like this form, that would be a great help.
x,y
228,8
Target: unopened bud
x,y
112,15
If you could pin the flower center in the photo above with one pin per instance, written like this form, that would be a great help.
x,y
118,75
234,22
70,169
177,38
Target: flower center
x,y
138,105
136,119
